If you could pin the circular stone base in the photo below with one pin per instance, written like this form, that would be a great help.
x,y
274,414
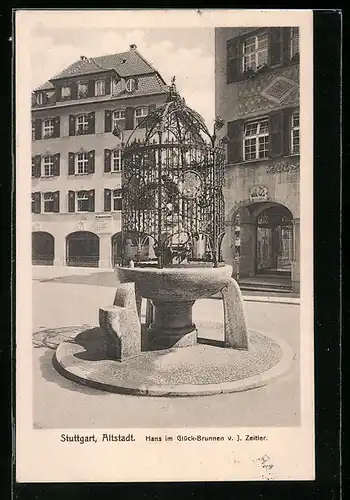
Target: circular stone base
x,y
203,369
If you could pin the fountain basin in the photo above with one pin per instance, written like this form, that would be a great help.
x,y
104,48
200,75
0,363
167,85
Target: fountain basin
x,y
177,284
172,292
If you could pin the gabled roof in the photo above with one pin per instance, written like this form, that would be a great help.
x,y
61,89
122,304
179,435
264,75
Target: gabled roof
x,y
126,64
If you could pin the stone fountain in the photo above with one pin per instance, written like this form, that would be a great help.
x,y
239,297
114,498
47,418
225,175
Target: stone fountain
x,y
172,234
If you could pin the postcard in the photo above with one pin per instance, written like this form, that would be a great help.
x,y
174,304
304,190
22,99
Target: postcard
x,y
164,232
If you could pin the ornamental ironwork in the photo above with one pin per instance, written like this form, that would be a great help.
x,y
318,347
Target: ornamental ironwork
x,y
172,187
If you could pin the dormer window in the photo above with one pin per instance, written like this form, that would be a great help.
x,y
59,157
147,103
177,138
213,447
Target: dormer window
x,y
39,98
65,92
100,87
130,85
82,90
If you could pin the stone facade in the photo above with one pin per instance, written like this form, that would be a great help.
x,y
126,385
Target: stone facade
x,y
104,224
255,185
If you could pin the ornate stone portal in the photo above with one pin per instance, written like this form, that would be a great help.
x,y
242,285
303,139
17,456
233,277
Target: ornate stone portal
x,y
172,231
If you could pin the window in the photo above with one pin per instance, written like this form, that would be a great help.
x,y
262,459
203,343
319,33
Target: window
x,y
65,92
33,166
116,160
33,203
39,98
48,166
33,132
118,118
256,140
49,202
130,85
100,87
82,163
295,133
294,42
48,128
82,124
82,90
82,201
117,200
255,51
140,114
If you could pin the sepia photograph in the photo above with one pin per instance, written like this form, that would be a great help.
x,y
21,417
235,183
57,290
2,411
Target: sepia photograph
x,y
162,248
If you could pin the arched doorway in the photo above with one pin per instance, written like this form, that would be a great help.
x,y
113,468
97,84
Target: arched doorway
x,y
261,246
274,241
83,249
43,248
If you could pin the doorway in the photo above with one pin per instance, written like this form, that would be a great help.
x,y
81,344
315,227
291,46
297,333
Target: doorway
x,y
83,249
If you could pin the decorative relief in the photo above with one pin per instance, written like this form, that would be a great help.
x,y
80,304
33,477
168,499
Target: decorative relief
x,y
258,193
282,167
278,89
36,226
265,92
80,226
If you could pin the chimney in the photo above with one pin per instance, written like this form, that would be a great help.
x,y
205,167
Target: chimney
x,y
133,47
83,58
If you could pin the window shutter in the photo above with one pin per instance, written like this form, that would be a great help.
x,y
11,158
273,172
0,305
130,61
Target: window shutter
x,y
73,91
71,162
56,164
151,108
58,93
38,129
286,44
136,83
91,88
287,130
71,125
45,98
91,162
37,202
275,46
107,160
108,85
56,126
276,135
56,202
71,201
91,200
37,166
108,120
107,200
233,60
129,118
91,118
234,146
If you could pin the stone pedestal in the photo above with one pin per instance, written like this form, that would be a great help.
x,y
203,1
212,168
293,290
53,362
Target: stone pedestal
x,y
172,325
121,324
235,324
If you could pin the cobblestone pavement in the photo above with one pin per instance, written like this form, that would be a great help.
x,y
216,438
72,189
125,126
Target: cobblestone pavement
x,y
59,403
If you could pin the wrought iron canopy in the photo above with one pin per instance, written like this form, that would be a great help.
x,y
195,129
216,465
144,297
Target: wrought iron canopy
x,y
172,180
